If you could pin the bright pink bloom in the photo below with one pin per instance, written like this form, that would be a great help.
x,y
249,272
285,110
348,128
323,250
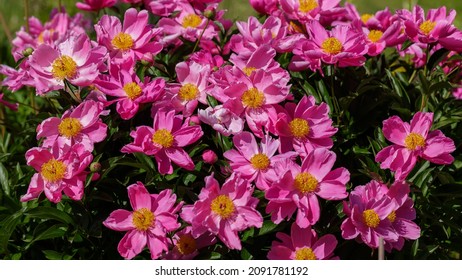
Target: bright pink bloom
x,y
165,141
255,162
186,247
302,244
59,170
224,211
222,120
305,10
152,218
457,93
377,40
299,188
207,58
95,5
411,142
17,78
74,60
78,125
367,215
305,126
266,7
132,39
129,90
209,157
163,8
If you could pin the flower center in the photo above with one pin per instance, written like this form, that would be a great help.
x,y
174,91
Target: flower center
x,y
375,35
132,90
188,92
248,70
163,138
371,219
366,17
305,182
392,216
223,206
305,253
260,161
299,128
69,127
53,170
186,244
253,98
122,41
64,67
307,6
191,20
332,46
414,141
143,219
427,26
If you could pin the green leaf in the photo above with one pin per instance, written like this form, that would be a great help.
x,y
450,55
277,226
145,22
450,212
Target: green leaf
x,y
437,57
47,213
7,227
52,232
268,227
245,255
4,179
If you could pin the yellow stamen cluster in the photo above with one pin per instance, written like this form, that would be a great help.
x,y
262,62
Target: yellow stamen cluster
x,y
248,70
413,141
305,253
305,182
186,244
191,20
427,26
370,218
332,46
163,138
53,170
143,219
253,98
122,41
223,206
260,161
299,128
366,17
69,127
306,6
375,35
132,90
188,92
64,67
392,216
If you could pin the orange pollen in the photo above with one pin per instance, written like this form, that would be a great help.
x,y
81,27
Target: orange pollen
x,y
69,127
371,219
366,17
260,161
305,182
305,253
53,170
307,6
132,90
253,98
122,41
299,128
191,20
188,92
248,70
186,244
414,141
64,67
143,219
375,35
392,216
163,138
427,26
332,46
223,206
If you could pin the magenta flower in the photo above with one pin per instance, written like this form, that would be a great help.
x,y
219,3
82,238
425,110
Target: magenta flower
x,y
95,5
305,126
368,212
165,141
411,142
266,7
79,125
186,247
299,188
302,244
305,10
152,218
224,212
254,162
132,39
58,170
74,60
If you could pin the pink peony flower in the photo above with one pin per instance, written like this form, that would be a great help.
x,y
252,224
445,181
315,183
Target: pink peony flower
x,y
152,218
253,162
305,126
305,10
78,125
186,247
302,244
224,211
299,187
95,5
222,120
132,39
411,142
61,169
163,8
165,141
209,156
266,7
367,215
74,60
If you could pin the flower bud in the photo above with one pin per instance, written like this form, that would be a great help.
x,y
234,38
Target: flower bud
x,y
209,156
28,51
95,167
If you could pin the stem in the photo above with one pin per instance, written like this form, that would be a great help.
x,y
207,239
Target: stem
x,y
2,122
5,27
26,14
336,109
200,37
381,249
33,105
60,9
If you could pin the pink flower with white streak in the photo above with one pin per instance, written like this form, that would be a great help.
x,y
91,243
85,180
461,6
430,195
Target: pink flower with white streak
x,y
78,125
152,218
302,244
254,162
74,60
165,141
132,39
411,142
222,120
61,169
224,211
299,187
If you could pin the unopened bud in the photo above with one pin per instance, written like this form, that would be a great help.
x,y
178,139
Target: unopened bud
x,y
95,167
194,120
209,157
28,51
210,13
